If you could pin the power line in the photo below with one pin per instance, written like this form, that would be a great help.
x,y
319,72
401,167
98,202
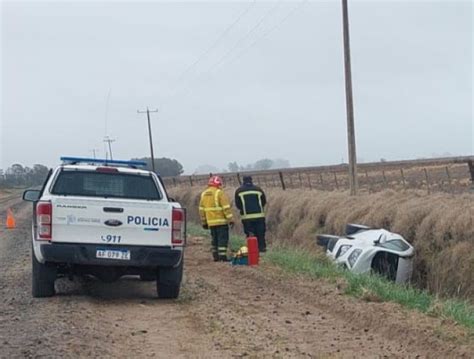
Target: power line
x,y
242,39
265,34
236,45
271,29
217,41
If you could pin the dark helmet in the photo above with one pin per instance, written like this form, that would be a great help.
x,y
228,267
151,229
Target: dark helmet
x,y
247,180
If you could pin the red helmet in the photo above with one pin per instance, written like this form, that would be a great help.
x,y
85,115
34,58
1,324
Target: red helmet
x,y
215,181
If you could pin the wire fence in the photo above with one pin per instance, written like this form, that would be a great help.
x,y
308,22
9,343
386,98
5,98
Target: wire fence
x,y
454,175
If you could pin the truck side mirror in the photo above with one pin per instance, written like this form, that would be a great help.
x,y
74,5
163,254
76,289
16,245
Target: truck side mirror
x,y
31,195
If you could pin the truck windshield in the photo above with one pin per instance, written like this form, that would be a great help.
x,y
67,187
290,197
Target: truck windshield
x,y
99,184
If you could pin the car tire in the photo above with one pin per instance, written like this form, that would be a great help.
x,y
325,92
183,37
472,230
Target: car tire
x,y
43,278
169,281
166,291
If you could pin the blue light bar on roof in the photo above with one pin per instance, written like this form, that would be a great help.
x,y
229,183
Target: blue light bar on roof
x,y
75,160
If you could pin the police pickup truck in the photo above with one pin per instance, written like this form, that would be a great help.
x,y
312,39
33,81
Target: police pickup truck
x,y
106,219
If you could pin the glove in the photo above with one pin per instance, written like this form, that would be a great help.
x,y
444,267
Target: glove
x,y
231,224
205,226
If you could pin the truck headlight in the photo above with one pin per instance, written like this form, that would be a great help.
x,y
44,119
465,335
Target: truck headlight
x,y
353,256
343,250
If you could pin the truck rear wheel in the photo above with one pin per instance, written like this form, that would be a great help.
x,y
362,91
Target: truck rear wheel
x,y
43,277
169,281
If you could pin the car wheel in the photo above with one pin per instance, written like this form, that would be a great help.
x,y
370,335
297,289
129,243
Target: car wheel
x,y
166,291
43,277
169,281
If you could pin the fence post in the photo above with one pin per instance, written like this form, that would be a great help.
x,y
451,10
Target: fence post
x,y
238,179
403,179
470,163
449,179
191,180
282,181
321,180
174,181
427,180
335,180
368,181
309,180
384,178
301,182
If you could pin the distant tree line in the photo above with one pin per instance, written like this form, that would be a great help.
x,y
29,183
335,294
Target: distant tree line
x,y
22,176
260,165
165,167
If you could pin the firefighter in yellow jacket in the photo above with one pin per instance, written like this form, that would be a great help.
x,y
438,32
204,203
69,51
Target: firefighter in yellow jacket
x,y
216,215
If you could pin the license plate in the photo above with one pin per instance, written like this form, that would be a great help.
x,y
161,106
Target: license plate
x,y
113,254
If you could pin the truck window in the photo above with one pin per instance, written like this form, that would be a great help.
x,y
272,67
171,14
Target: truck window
x,y
99,184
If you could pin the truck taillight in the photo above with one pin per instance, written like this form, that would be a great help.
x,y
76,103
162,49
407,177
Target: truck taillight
x,y
178,227
44,214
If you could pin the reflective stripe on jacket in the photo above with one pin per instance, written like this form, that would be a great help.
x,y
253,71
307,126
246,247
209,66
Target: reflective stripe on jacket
x,y
214,207
251,201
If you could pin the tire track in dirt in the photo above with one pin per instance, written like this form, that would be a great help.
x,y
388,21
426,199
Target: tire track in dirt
x,y
265,313
222,312
86,318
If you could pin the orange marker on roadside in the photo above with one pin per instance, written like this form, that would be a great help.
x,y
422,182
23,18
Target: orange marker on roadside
x,y
11,223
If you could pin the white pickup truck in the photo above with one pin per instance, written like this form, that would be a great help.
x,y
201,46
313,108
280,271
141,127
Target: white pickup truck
x,y
106,219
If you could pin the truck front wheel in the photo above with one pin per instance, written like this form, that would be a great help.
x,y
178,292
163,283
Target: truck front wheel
x,y
43,277
169,281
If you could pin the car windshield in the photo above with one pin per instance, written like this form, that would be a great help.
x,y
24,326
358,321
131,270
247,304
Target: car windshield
x,y
99,184
395,244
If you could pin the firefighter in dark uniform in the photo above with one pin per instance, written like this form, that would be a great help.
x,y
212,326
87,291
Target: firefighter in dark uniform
x,y
251,201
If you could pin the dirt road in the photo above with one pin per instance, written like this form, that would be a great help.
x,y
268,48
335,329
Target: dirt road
x,y
223,311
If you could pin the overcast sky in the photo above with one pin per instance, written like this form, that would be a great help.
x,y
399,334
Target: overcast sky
x,y
234,81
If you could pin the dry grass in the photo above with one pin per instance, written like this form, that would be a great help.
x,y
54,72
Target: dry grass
x,y
440,226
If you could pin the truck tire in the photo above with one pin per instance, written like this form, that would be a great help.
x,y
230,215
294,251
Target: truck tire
x,y
43,277
169,281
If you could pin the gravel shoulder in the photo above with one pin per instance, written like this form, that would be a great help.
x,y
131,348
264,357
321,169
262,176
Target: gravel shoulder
x,y
223,311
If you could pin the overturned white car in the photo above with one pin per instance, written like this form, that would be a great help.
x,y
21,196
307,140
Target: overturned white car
x,y
364,249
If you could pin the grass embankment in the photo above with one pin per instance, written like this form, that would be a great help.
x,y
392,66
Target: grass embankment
x,y
371,287
368,287
440,227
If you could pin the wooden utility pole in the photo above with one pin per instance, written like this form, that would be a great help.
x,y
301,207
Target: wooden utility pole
x,y
94,152
349,102
109,140
149,135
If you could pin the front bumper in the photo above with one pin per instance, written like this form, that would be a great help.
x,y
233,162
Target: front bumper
x,y
85,254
